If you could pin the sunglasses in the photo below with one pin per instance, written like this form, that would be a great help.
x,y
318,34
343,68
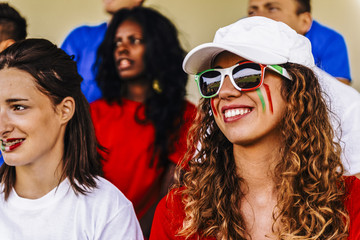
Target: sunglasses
x,y
245,76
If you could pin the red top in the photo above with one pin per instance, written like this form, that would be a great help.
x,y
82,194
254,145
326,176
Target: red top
x,y
130,148
170,214
353,206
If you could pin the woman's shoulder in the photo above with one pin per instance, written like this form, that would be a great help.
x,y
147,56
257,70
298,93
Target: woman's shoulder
x,y
173,201
106,191
106,201
352,183
189,106
172,205
99,104
352,204
169,216
100,108
190,111
104,194
103,111
107,210
104,105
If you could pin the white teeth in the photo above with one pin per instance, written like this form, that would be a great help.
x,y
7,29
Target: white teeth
x,y
10,143
124,63
236,112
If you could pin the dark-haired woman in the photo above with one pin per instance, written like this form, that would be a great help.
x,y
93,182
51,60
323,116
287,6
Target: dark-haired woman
x,y
51,184
143,117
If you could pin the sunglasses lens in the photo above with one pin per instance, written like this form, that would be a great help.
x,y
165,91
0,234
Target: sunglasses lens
x,y
209,83
247,76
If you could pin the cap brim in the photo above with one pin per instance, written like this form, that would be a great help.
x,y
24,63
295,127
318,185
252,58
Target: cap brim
x,y
201,57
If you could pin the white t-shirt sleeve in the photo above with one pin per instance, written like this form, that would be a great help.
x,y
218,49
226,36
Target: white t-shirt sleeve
x,y
114,217
344,104
123,225
350,139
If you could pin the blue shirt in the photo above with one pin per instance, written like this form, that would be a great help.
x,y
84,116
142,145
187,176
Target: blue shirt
x,y
329,50
83,42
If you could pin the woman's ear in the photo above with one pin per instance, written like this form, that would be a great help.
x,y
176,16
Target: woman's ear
x,y
66,109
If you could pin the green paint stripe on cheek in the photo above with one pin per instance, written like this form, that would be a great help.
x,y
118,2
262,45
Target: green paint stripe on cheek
x,y
258,91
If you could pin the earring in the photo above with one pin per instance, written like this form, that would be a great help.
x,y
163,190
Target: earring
x,y
156,86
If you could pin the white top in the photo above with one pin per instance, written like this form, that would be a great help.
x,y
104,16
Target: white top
x,y
104,213
344,103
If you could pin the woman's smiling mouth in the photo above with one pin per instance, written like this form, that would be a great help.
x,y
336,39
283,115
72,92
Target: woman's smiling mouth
x,y
235,112
10,144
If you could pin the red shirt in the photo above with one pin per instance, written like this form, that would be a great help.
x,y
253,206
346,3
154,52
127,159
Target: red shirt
x,y
130,149
352,204
170,214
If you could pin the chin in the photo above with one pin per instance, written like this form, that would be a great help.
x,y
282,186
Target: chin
x,y
242,141
134,78
126,77
11,163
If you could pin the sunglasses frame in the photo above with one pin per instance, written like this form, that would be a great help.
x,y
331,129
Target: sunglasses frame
x,y
228,72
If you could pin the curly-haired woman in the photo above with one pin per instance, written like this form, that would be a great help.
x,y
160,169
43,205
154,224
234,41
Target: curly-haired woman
x,y
267,166
143,117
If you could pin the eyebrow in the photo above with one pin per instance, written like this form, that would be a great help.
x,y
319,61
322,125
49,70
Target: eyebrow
x,y
269,4
266,5
12,100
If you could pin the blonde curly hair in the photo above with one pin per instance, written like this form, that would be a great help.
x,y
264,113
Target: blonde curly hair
x,y
308,178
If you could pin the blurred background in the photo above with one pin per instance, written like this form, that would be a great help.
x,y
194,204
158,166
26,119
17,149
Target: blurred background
x,y
196,20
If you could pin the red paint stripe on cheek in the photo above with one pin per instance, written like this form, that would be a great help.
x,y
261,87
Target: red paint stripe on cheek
x,y
213,107
267,89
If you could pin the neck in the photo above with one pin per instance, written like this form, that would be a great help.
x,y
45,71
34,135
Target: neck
x,y
34,183
256,164
137,91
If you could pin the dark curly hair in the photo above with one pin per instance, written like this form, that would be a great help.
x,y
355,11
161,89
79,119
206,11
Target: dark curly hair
x,y
56,76
163,60
308,175
12,24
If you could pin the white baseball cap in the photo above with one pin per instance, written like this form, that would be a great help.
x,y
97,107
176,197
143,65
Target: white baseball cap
x,y
258,39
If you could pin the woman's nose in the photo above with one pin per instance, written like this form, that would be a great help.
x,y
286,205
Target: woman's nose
x,y
121,48
228,90
5,126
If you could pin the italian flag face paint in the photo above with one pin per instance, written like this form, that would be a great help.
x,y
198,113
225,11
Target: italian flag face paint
x,y
267,89
261,96
258,91
213,107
